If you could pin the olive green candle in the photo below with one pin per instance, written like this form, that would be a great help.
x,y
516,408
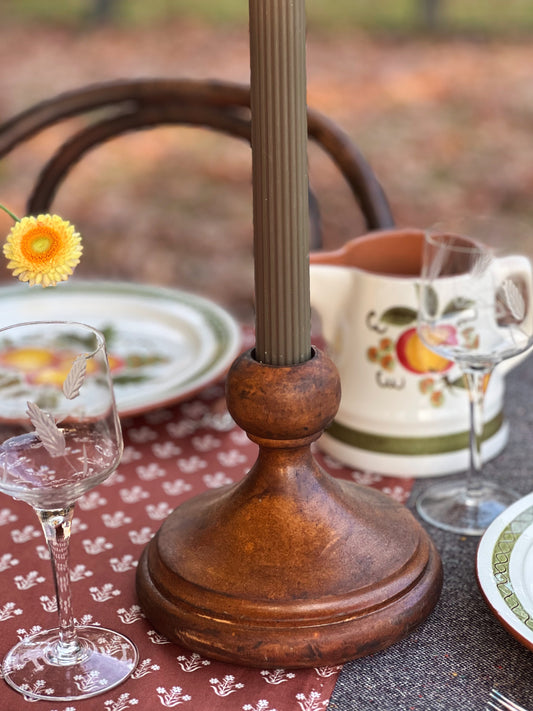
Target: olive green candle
x,y
280,181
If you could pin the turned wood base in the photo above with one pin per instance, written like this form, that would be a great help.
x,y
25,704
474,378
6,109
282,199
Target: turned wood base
x,y
289,567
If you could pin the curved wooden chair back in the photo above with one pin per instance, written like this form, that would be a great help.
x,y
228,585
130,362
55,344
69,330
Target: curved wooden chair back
x,y
124,106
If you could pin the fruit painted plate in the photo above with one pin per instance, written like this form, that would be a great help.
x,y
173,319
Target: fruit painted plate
x,y
505,569
163,344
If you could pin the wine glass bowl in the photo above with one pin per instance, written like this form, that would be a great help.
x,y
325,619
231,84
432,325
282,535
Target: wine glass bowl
x,y
479,311
60,436
475,309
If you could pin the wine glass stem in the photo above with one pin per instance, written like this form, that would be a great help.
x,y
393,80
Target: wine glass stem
x,y
477,382
57,526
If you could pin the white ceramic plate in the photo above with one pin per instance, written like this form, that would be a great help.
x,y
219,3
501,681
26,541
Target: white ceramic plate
x,y
505,569
163,344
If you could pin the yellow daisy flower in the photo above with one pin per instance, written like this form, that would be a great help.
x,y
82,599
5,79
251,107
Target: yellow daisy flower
x,y
43,250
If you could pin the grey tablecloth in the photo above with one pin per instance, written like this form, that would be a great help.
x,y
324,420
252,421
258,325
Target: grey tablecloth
x,y
460,652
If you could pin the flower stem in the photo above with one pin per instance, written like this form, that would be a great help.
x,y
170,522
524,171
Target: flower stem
x,y
11,214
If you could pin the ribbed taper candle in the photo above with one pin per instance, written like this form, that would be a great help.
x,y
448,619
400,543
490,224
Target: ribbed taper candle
x,y
280,181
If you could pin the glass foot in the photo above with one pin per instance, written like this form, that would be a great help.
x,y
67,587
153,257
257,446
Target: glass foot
x,y
39,668
448,506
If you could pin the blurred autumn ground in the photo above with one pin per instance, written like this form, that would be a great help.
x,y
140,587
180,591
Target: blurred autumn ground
x,y
445,121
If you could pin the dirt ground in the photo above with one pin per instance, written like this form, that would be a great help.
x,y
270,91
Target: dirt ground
x,y
446,125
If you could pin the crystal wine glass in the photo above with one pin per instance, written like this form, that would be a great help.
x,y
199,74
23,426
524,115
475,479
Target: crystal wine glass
x,y
475,309
59,437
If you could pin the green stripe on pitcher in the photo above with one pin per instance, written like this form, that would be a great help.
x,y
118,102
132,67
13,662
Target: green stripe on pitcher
x,y
439,444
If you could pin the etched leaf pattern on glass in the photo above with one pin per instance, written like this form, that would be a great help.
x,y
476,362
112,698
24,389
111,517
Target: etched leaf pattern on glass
x,y
45,425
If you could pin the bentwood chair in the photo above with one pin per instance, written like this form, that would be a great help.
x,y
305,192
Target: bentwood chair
x,y
95,114
136,104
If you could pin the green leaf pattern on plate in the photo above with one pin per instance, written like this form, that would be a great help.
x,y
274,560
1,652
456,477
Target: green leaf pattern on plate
x,y
501,558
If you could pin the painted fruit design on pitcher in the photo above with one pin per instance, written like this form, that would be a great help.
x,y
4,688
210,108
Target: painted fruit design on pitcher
x,y
405,351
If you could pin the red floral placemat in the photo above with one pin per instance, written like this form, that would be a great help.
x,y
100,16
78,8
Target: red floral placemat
x,y
170,455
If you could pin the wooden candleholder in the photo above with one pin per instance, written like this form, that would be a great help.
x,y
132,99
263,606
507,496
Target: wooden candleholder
x,y
289,567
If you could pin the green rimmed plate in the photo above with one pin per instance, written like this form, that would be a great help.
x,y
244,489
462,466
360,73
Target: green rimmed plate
x,y
505,569
164,344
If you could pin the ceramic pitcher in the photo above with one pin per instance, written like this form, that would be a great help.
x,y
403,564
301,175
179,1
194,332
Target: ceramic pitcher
x,y
404,410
